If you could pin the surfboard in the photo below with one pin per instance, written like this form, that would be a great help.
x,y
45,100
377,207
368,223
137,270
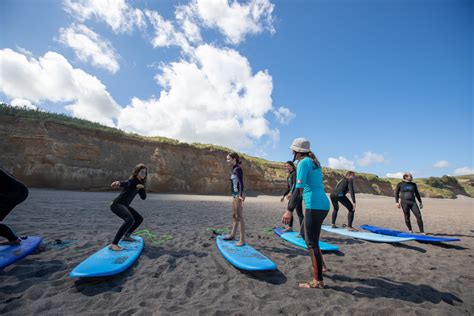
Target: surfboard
x,y
365,235
245,257
107,262
391,232
12,253
296,239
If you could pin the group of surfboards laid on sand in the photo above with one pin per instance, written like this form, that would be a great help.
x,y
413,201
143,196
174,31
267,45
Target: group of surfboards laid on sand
x,y
305,193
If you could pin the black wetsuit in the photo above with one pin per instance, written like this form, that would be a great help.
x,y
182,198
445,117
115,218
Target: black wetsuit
x,y
237,181
339,195
12,193
121,206
408,193
296,203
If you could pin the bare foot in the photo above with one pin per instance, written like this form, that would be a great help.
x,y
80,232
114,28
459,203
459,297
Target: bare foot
x,y
312,285
229,237
11,243
352,229
288,229
325,269
115,247
333,226
240,243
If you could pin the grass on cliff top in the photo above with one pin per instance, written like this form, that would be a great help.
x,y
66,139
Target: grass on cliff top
x,y
41,115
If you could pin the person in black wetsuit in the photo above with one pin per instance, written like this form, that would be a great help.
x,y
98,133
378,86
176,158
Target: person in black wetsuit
x,y
339,195
12,193
405,195
121,204
292,204
238,195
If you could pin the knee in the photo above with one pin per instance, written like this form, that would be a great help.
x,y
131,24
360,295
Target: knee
x,y
129,220
139,219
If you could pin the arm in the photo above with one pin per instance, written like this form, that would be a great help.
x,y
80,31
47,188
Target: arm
x,y
142,193
397,192
351,189
240,178
417,194
295,197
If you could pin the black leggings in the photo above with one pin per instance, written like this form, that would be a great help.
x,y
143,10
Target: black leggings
x,y
406,207
344,201
299,211
8,201
131,220
310,231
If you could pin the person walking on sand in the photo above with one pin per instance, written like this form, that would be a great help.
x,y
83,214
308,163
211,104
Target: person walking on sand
x,y
121,204
405,195
12,193
238,198
291,181
339,195
309,183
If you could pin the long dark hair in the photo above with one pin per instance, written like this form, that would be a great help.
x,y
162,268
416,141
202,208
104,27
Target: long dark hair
x,y
137,170
235,156
313,158
291,164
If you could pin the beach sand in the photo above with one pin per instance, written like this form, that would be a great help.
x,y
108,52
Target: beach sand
x,y
187,275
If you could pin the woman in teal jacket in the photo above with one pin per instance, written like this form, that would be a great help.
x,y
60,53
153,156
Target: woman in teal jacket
x,y
309,183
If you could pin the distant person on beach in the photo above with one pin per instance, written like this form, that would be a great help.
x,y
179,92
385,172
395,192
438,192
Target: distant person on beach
x,y
121,204
405,195
12,193
238,197
338,195
291,181
309,183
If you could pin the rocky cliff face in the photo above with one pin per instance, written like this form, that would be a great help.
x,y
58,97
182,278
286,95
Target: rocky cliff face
x,y
50,153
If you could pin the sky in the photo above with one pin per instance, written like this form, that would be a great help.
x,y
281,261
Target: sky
x,y
382,87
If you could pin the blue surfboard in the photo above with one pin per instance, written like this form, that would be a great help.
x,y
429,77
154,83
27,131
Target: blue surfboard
x,y
107,262
391,232
245,257
12,253
365,235
296,239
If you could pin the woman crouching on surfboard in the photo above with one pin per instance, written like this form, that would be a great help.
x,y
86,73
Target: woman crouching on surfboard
x,y
309,183
238,194
121,204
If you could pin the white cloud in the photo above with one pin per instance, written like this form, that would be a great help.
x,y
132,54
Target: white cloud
x,y
463,171
90,46
233,20
284,115
370,158
341,163
213,99
120,16
165,32
22,103
397,175
441,164
51,78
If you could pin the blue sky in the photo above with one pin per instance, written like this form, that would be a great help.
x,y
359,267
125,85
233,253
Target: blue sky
x,y
377,86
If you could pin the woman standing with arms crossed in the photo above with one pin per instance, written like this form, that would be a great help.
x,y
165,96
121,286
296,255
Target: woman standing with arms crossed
x,y
291,180
309,183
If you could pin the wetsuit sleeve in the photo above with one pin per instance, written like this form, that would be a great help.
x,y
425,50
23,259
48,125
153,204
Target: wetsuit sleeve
x,y
351,188
295,197
142,194
240,178
293,182
397,192
417,193
288,189
125,184
301,174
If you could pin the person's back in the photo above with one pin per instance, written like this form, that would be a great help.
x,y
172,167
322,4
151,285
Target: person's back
x,y
313,193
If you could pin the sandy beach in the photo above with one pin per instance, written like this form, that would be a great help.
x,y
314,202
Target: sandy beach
x,y
187,275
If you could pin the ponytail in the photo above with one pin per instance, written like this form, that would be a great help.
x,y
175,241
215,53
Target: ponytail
x,y
235,156
314,159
